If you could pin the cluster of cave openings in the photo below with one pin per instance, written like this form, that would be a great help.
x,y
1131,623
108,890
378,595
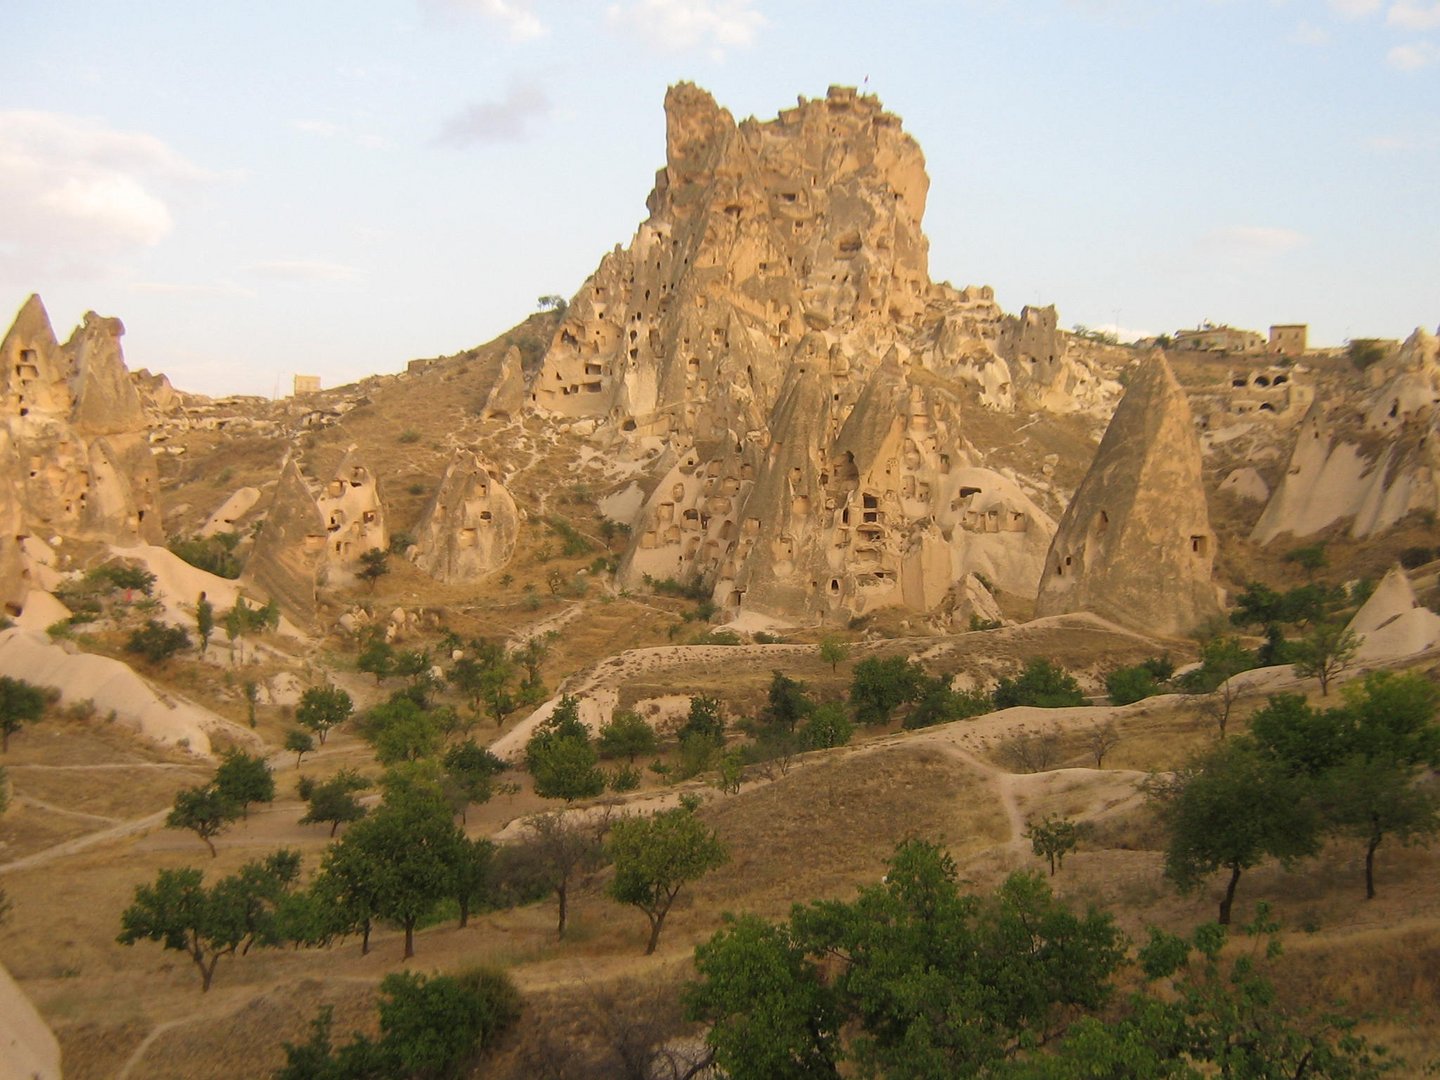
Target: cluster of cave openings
x,y
1061,565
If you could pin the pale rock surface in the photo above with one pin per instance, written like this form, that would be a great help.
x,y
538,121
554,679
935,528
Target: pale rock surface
x,y
772,331
1392,624
1135,545
231,511
354,516
1374,473
288,551
28,1048
1246,483
470,525
74,439
508,396
112,686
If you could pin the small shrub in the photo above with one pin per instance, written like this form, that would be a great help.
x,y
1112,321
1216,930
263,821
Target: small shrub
x,y
409,436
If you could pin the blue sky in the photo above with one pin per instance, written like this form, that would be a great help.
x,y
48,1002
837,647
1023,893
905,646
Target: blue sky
x,y
334,187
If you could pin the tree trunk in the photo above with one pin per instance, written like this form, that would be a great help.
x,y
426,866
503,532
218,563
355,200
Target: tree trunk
x,y
1229,897
656,922
209,845
562,894
1052,865
365,938
409,938
1375,838
464,911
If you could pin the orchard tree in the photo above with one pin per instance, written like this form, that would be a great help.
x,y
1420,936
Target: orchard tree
x,y
243,779
880,686
1230,809
471,770
834,651
300,743
1040,683
205,811
204,622
1053,839
627,735
333,800
157,642
557,850
374,564
655,857
474,870
20,704
322,708
1324,652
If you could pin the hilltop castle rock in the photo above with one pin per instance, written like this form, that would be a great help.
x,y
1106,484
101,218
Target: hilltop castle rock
x,y
771,343
1135,545
75,438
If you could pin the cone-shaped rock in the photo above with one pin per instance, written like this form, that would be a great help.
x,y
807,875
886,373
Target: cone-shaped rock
x,y
289,546
1135,545
470,526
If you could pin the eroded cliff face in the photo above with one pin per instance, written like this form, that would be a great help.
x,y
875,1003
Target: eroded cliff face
x,y
75,441
1135,544
469,527
1372,461
771,343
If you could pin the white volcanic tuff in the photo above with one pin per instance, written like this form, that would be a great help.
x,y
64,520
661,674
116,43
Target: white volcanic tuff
x,y
1377,475
470,526
1135,545
290,545
774,324
1393,624
354,516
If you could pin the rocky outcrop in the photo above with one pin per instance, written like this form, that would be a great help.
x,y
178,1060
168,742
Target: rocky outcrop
x,y
28,1048
353,513
290,547
75,439
470,526
1374,471
1135,545
508,396
1392,623
771,346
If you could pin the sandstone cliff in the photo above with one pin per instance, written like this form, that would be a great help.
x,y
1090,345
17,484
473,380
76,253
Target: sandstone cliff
x,y
1135,545
470,525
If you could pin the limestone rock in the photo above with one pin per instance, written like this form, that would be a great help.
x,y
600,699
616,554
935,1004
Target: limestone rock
x,y
1393,624
470,526
1135,545
78,431
28,1048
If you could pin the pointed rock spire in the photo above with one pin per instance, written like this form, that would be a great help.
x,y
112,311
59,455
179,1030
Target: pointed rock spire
x,y
1135,545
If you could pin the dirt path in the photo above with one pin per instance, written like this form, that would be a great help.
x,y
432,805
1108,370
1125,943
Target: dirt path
x,y
51,808
89,840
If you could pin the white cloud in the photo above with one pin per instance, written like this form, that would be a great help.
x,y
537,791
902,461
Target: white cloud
x,y
505,120
1249,247
75,195
1413,57
1413,16
679,25
516,16
319,270
1307,33
1356,9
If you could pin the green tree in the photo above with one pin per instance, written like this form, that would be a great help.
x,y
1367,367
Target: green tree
x,y
20,704
1324,652
567,768
205,811
208,924
322,708
1127,685
828,726
333,800
1041,684
408,849
431,1028
472,770
654,859
400,730
180,913
627,735
251,689
880,686
706,719
374,564
1229,810
834,651
1053,839
157,642
204,622
377,658
243,779
474,870
787,703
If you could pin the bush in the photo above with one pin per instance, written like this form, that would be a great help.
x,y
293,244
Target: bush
x,y
1412,557
572,543
118,575
1040,684
1126,685
215,554
157,641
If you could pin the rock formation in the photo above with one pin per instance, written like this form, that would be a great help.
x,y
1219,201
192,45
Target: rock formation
x,y
74,439
1373,465
772,340
470,525
290,547
354,516
1393,624
507,397
1135,545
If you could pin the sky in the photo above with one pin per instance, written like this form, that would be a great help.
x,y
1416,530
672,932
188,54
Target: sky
x,y
334,187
